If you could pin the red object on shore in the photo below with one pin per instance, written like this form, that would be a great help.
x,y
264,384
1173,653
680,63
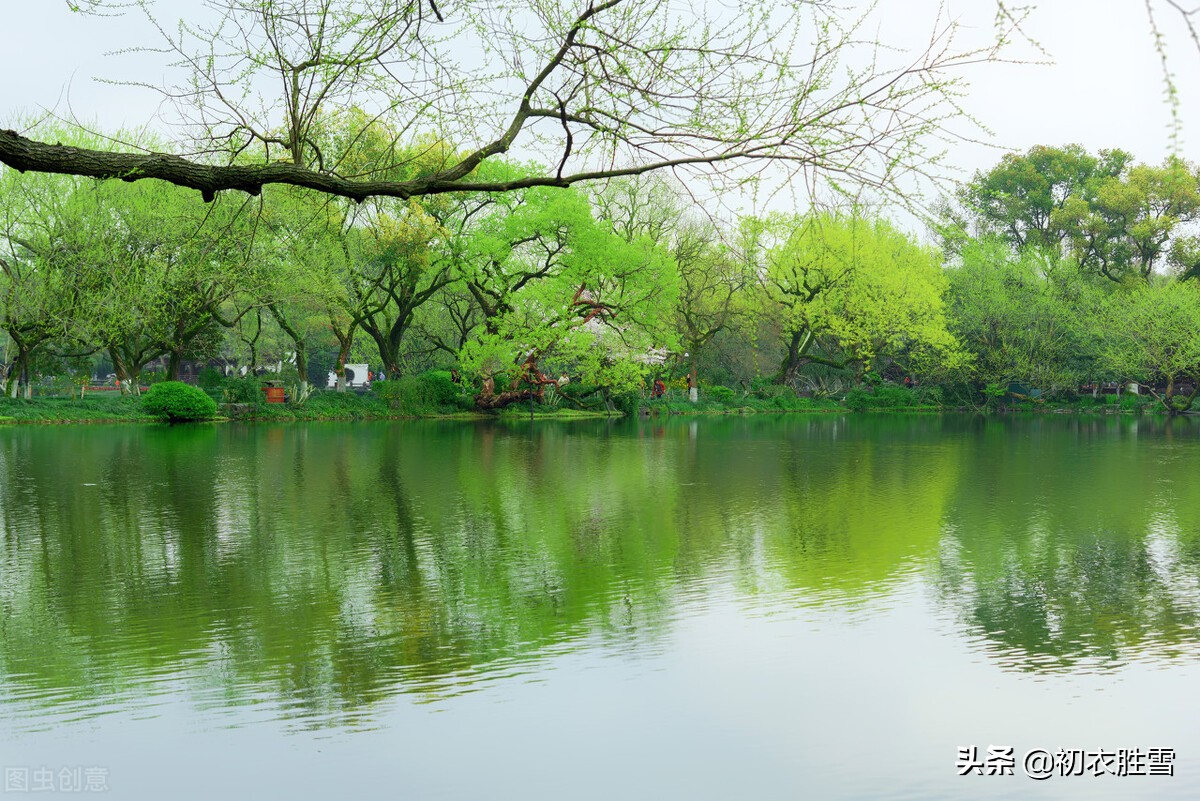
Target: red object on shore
x,y
274,394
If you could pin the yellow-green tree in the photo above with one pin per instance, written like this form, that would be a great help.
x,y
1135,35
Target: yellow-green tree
x,y
847,289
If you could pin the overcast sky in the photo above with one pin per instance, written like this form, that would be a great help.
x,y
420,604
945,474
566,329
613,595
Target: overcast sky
x,y
1104,89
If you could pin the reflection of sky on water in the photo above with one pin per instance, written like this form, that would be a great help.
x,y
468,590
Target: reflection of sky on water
x,y
769,608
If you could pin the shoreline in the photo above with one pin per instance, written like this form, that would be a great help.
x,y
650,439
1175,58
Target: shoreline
x,y
644,413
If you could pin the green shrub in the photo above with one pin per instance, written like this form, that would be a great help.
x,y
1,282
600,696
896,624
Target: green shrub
x,y
426,393
210,378
178,402
441,386
627,403
773,391
885,396
929,395
858,400
407,395
244,389
1130,402
792,402
720,394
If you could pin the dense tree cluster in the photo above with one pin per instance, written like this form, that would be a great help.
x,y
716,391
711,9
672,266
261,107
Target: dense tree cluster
x,y
360,201
1071,270
1058,270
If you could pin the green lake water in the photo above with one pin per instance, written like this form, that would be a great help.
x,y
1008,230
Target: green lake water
x,y
793,607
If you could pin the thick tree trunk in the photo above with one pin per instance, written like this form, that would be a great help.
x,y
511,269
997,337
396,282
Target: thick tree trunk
x,y
388,344
298,345
18,373
798,346
339,369
174,362
128,370
535,386
345,340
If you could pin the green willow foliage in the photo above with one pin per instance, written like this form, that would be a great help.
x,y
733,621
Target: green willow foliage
x,y
1050,260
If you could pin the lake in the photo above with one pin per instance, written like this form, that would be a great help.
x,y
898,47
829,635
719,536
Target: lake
x,y
765,607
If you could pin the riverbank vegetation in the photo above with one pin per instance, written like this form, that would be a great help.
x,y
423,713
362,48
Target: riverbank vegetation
x,y
1057,279
545,229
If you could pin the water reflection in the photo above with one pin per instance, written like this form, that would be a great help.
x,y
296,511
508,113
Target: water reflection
x,y
1072,546
310,572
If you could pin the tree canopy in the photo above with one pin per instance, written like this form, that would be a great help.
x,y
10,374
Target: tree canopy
x,y
594,88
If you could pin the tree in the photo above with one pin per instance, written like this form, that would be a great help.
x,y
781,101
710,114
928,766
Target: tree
x,y
597,320
374,264
598,88
394,270
181,264
1127,227
1027,318
1022,198
1114,218
714,282
41,294
305,261
140,272
510,243
1152,336
848,289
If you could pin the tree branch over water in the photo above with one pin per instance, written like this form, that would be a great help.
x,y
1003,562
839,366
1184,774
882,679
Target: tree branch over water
x,y
597,88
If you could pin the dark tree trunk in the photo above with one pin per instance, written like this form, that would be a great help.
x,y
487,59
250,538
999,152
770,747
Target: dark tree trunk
x,y
174,362
297,343
18,371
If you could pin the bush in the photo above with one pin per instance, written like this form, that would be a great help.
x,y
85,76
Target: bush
x,y
885,396
773,391
627,403
178,402
244,389
397,393
929,395
210,378
720,394
426,393
441,386
858,400
1130,402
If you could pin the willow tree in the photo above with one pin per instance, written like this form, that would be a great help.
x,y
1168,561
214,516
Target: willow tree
x,y
593,88
1151,335
847,289
41,296
1027,317
600,319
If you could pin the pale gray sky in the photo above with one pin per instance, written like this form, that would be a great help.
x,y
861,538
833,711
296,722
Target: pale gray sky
x,y
1105,88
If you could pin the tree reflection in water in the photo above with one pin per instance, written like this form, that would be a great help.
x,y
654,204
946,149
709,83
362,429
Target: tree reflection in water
x,y
322,569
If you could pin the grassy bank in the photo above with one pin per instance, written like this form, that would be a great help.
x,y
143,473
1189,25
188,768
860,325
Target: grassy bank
x,y
97,409
413,402
321,406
